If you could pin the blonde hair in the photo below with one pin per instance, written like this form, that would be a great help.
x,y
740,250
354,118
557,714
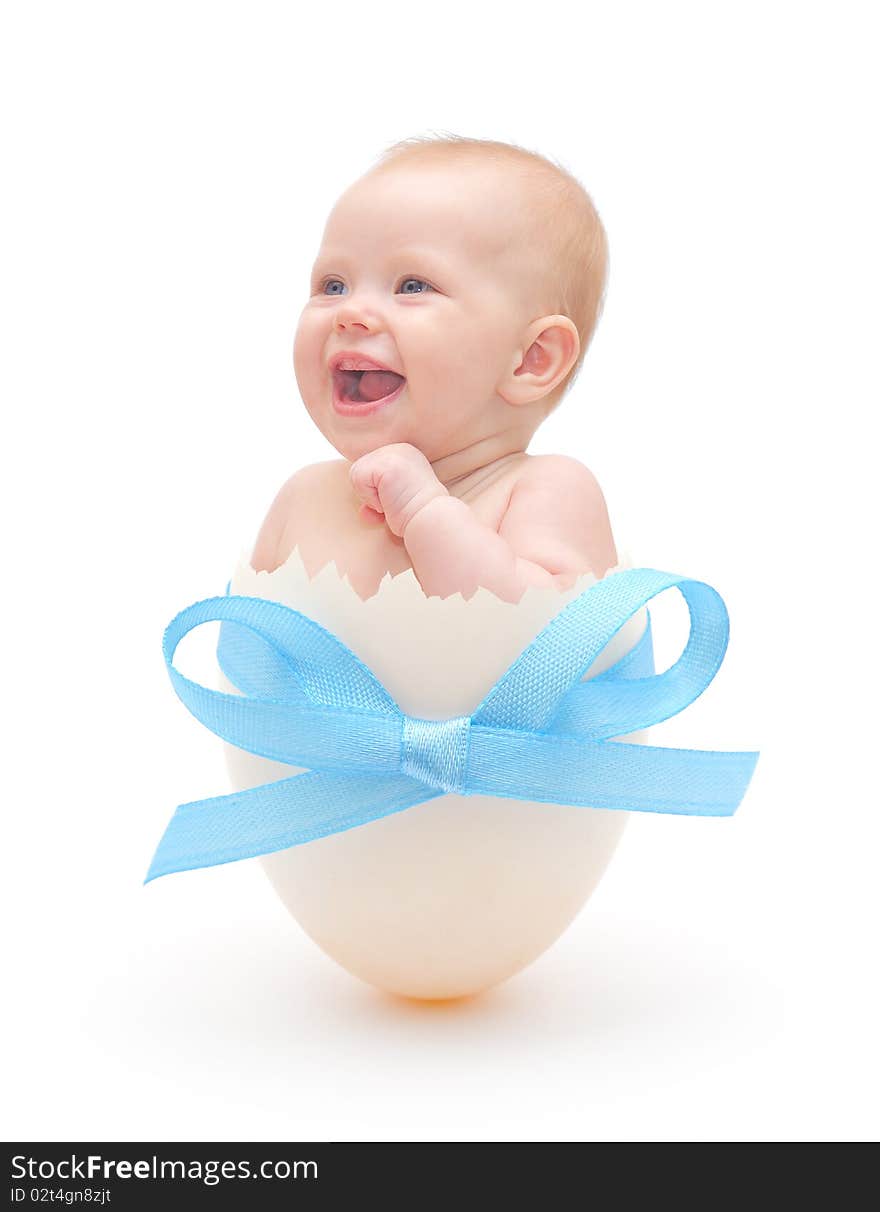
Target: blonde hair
x,y
559,219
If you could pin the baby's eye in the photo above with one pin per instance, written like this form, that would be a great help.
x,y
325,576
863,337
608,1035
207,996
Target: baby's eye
x,y
406,281
333,286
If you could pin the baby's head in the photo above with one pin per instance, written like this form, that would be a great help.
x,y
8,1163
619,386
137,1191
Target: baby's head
x,y
473,270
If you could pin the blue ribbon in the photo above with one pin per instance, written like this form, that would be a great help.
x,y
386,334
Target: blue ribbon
x,y
540,734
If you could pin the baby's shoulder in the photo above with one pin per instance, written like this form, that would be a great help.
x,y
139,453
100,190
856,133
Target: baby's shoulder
x,y
311,494
555,473
314,475
554,493
557,517
315,488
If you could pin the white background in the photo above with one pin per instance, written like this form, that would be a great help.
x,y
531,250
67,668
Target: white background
x,y
168,169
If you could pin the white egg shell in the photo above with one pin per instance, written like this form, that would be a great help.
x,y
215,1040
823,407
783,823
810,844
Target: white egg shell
x,y
452,896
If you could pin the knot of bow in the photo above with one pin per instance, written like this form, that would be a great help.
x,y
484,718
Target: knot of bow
x,y
540,734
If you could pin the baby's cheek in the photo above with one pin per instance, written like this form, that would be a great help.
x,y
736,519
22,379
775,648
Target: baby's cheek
x,y
307,345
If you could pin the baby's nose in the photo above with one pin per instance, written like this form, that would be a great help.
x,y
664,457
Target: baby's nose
x,y
346,322
352,315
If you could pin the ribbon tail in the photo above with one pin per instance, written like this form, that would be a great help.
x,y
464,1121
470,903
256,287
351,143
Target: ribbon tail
x,y
275,816
608,774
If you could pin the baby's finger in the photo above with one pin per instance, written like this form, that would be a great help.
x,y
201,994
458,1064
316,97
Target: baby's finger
x,y
371,515
363,480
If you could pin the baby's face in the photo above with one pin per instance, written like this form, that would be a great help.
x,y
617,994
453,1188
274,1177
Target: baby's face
x,y
418,271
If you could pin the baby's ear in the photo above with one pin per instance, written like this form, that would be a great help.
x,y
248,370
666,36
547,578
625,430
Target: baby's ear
x,y
549,349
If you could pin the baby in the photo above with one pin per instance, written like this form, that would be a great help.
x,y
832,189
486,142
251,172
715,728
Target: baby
x,y
455,292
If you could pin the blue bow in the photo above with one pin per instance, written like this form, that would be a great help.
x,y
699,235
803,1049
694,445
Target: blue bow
x,y
540,734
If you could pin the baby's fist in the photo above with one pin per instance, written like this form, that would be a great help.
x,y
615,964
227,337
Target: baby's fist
x,y
395,481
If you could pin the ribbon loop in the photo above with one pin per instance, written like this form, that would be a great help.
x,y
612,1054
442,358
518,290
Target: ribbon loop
x,y
545,678
297,649
436,751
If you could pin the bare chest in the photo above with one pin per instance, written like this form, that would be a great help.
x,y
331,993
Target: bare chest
x,y
332,530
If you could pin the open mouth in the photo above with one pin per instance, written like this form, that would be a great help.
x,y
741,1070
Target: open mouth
x,y
366,386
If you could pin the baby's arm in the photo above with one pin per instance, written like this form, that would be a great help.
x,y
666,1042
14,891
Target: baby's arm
x,y
555,527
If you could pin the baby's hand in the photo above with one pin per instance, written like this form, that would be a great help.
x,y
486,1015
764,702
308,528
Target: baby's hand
x,y
395,482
